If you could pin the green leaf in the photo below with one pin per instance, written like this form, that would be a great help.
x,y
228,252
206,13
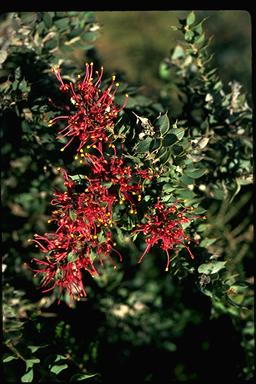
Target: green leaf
x,y
194,173
72,257
82,376
191,18
144,145
171,347
169,140
186,180
76,177
28,377
164,71
168,188
59,358
177,150
163,123
207,242
178,52
31,362
185,194
155,144
212,267
28,17
47,19
56,369
199,42
62,24
35,348
106,184
9,358
179,132
72,215
189,35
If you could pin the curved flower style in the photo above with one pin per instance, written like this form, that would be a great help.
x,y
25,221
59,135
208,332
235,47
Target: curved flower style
x,y
83,223
164,227
95,112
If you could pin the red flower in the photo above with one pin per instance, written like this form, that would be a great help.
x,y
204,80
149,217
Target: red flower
x,y
83,221
95,112
164,227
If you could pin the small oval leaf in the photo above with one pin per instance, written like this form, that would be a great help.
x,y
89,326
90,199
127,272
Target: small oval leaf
x,y
9,358
163,123
212,267
56,369
28,377
191,18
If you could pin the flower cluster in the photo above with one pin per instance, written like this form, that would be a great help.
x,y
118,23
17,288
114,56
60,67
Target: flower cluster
x,y
164,227
84,218
95,112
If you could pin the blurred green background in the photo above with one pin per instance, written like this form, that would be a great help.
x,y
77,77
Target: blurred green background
x,y
136,41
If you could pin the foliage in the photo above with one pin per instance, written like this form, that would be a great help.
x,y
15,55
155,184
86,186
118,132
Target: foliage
x,y
200,155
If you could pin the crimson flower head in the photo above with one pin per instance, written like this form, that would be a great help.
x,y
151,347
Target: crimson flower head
x,y
164,227
83,237
95,111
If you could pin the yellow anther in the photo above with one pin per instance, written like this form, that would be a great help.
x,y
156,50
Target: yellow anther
x,y
82,155
95,236
126,95
58,169
110,221
114,244
94,146
86,190
62,149
166,269
113,77
105,225
76,157
131,211
117,84
139,197
49,221
78,76
133,193
88,146
81,161
91,63
71,235
81,150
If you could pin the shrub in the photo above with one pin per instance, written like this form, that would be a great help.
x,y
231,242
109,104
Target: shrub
x,y
131,178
